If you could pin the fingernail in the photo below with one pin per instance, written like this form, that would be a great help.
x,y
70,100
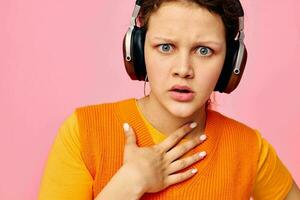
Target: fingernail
x,y
193,125
194,170
126,127
202,154
202,137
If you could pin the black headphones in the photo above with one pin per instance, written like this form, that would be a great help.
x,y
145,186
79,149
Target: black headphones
x,y
234,64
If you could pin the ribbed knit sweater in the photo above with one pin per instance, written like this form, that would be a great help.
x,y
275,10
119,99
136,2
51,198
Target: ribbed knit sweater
x,y
228,172
237,164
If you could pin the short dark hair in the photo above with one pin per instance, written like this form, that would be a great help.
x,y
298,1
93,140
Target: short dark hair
x,y
229,10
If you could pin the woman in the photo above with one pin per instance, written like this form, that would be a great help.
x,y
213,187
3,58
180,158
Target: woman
x,y
174,146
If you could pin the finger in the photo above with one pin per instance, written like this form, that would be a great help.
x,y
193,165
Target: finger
x,y
181,149
176,178
183,163
130,135
175,137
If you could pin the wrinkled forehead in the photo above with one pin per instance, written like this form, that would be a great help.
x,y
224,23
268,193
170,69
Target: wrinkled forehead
x,y
186,20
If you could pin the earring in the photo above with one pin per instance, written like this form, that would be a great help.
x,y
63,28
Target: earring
x,y
146,79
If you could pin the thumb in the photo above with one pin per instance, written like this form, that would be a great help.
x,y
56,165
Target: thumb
x,y
130,135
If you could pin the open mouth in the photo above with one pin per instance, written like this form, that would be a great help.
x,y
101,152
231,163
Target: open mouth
x,y
182,95
181,91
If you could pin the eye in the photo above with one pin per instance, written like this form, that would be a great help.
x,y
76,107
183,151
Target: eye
x,y
165,48
205,51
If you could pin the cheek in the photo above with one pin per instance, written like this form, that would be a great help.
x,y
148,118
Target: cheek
x,y
218,63
209,75
156,67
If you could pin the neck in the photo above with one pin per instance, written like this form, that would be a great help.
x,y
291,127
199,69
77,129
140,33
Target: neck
x,y
165,122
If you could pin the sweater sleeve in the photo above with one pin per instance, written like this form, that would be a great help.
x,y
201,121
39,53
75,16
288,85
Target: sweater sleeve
x,y
65,175
273,180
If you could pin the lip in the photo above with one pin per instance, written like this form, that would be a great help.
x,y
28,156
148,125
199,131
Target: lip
x,y
181,97
181,87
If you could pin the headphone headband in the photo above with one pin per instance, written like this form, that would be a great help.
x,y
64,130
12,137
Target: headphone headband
x,y
234,64
134,15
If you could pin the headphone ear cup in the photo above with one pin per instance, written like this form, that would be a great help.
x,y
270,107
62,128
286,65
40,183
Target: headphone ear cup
x,y
229,79
236,74
138,53
128,64
135,68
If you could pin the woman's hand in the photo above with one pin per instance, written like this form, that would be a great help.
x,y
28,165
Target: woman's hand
x,y
154,167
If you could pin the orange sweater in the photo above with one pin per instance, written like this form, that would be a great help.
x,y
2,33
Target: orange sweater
x,y
238,163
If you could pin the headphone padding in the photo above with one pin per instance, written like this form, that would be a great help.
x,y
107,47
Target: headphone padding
x,y
138,57
227,70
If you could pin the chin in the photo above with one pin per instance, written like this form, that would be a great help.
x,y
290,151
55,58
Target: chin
x,y
176,108
181,109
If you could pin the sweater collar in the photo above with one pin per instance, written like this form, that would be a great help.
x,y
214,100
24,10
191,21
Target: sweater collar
x,y
130,113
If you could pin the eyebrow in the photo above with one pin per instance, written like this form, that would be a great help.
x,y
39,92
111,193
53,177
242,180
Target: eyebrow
x,y
213,43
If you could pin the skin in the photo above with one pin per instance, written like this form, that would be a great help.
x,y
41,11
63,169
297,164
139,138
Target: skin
x,y
187,28
185,44
294,193
152,169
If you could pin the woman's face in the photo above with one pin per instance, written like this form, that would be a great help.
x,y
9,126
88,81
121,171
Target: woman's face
x,y
185,45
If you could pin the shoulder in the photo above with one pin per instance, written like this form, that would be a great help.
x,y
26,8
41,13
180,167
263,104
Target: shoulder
x,y
65,173
273,178
98,116
103,104
66,147
100,109
229,124
235,134
70,122
68,134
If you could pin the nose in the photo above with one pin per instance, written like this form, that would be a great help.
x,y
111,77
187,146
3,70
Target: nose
x,y
183,66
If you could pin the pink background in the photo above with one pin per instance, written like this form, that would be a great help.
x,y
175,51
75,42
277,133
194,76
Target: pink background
x,y
58,55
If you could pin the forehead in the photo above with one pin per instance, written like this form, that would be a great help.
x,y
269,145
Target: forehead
x,y
186,20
